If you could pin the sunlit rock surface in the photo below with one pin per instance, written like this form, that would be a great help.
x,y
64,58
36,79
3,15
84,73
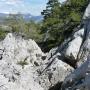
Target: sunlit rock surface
x,y
74,46
17,61
87,12
22,66
53,71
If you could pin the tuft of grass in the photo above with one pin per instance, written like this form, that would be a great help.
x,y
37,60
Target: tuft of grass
x,y
22,63
2,34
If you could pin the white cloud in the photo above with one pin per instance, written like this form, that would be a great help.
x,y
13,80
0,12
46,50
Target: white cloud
x,y
33,7
12,2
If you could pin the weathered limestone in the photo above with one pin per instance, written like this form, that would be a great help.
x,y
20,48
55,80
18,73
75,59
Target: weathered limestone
x,y
54,72
17,57
79,79
73,47
21,63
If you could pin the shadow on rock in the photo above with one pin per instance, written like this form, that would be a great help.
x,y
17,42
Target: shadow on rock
x,y
56,87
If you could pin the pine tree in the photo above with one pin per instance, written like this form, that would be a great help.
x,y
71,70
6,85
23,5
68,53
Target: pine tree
x,y
60,20
51,18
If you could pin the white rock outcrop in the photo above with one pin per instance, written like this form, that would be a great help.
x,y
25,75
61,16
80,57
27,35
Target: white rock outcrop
x,y
17,56
79,79
87,12
73,47
85,48
54,72
21,65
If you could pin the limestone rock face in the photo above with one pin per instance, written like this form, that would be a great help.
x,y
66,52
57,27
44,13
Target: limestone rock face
x,y
54,72
79,79
73,47
17,61
85,51
22,66
87,12
85,48
20,49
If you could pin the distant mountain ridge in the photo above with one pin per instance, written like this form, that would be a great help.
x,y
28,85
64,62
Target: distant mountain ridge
x,y
27,17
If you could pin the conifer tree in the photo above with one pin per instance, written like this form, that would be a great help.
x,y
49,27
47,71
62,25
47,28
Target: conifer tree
x,y
61,19
51,18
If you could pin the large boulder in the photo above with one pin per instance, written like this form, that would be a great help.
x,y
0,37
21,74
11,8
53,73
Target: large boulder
x,y
23,66
84,52
79,79
85,48
17,62
17,49
53,72
53,69
73,47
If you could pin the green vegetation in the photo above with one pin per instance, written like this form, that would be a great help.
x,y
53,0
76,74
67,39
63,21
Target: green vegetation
x,y
33,31
60,19
19,26
2,33
22,63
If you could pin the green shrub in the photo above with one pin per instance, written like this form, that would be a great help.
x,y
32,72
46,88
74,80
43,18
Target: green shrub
x,y
2,34
22,63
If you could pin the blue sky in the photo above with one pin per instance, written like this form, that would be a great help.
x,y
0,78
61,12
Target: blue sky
x,y
24,6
